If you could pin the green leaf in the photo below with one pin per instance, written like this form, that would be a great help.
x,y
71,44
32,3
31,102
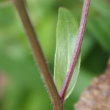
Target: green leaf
x,y
67,29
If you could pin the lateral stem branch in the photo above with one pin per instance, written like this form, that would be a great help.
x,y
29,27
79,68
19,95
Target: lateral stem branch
x,y
77,49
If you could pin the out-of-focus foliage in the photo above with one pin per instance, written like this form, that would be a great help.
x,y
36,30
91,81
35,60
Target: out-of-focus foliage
x,y
2,1
25,90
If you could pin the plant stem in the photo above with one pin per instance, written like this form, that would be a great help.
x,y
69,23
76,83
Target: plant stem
x,y
38,54
77,49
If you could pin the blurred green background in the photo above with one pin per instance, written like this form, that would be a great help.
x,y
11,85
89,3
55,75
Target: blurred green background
x,y
21,86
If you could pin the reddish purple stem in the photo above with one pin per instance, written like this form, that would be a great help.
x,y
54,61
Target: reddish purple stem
x,y
77,48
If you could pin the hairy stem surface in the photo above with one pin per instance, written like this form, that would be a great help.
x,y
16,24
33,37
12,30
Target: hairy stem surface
x,y
38,54
77,48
